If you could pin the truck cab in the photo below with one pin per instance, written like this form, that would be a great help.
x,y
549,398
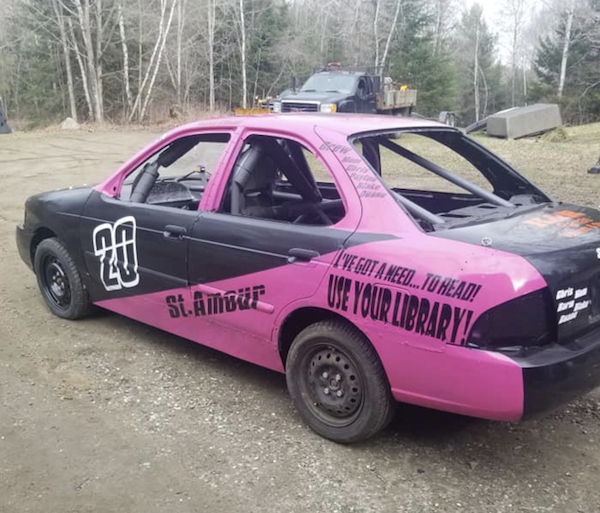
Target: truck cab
x,y
335,89
331,91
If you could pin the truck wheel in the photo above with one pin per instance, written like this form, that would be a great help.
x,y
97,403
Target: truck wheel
x,y
337,382
60,281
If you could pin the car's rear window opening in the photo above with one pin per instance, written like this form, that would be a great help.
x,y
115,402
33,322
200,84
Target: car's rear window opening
x,y
443,178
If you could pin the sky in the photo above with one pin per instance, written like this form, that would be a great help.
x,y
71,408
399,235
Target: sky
x,y
493,16
491,9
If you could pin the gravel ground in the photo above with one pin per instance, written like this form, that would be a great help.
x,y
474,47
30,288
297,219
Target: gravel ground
x,y
108,415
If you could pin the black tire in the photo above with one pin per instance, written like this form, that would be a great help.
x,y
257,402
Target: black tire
x,y
59,281
330,358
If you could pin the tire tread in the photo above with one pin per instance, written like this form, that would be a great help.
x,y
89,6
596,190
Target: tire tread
x,y
80,302
383,410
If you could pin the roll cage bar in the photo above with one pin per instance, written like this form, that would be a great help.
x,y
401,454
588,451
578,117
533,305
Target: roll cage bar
x,y
444,173
509,186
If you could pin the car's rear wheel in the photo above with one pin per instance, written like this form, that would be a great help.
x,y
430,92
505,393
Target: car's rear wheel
x,y
59,280
337,382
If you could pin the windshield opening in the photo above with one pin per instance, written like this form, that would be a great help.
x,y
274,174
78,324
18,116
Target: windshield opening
x,y
330,83
443,178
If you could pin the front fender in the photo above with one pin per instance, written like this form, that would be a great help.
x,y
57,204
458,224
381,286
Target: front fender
x,y
58,212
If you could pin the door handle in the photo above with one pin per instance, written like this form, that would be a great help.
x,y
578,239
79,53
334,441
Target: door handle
x,y
301,254
174,232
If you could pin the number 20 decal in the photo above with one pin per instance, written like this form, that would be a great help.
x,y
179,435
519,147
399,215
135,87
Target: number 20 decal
x,y
115,246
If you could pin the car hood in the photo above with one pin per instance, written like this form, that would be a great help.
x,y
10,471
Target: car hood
x,y
562,242
314,97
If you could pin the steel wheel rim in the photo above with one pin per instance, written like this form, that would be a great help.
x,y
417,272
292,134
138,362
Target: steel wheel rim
x,y
332,384
55,282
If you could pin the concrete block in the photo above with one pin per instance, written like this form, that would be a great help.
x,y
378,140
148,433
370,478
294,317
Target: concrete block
x,y
524,121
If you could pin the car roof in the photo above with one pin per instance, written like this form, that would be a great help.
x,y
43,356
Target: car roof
x,y
344,124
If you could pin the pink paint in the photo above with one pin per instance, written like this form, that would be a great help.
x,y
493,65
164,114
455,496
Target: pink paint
x,y
430,372
421,370
424,370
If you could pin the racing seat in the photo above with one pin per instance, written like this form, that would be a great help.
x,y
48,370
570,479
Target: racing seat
x,y
254,178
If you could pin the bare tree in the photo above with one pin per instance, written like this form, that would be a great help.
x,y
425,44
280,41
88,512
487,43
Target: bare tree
x,y
242,36
85,27
211,19
180,31
376,31
390,34
514,15
125,51
82,69
444,21
476,69
147,85
60,20
570,14
98,57
564,12
378,21
210,52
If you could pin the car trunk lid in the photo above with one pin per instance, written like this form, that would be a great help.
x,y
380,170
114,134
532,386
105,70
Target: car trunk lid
x,y
563,243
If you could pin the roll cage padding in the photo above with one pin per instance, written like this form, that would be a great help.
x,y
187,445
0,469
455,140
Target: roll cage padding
x,y
288,158
302,182
242,171
370,150
143,183
176,150
298,157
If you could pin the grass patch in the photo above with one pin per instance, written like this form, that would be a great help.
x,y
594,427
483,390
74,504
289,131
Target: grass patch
x,y
558,135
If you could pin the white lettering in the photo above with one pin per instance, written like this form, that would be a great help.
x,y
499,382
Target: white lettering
x,y
567,317
565,306
582,305
115,247
562,294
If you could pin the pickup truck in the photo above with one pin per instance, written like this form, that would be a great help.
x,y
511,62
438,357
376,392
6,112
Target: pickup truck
x,y
335,89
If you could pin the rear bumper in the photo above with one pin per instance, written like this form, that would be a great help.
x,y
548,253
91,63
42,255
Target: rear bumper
x,y
560,373
24,237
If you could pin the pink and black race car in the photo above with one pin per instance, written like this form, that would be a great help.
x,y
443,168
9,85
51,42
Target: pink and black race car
x,y
372,259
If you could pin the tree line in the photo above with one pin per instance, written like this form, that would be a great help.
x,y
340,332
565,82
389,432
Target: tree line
x,y
138,60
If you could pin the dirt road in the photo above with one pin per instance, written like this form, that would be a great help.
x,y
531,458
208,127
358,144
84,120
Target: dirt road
x,y
108,415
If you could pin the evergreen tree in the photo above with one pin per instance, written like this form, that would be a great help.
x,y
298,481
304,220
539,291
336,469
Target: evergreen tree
x,y
415,62
37,73
580,101
480,79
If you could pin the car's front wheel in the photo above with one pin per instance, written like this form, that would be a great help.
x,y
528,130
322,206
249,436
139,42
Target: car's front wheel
x,y
337,382
59,280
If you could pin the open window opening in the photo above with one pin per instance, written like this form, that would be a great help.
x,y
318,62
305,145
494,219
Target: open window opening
x,y
177,175
445,179
280,180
